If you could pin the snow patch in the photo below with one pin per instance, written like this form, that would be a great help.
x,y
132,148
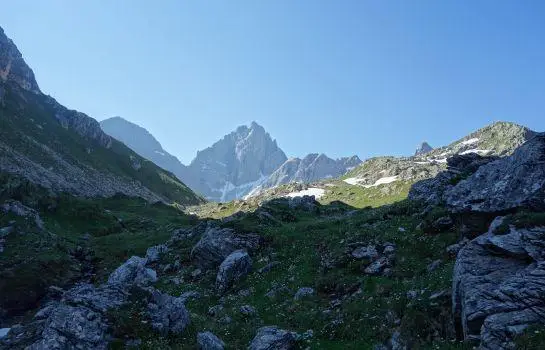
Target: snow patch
x,y
312,191
478,151
382,181
352,181
159,152
470,141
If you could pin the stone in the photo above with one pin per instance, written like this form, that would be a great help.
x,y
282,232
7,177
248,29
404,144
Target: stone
x,y
217,243
209,341
268,267
499,286
304,292
196,273
133,272
153,254
215,310
377,267
453,249
368,253
272,337
168,314
236,266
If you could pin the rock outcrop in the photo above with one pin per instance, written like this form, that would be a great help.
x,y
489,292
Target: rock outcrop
x,y
272,337
499,285
217,243
236,266
511,182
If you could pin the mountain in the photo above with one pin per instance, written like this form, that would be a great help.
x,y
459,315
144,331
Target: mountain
x,y
66,150
236,164
142,142
311,168
423,149
498,139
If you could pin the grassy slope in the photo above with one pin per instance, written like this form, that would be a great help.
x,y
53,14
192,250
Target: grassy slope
x,y
33,118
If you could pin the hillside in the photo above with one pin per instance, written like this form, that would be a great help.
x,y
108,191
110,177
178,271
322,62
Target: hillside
x,y
65,150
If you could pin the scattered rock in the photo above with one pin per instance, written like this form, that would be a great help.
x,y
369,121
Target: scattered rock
x,y
133,272
216,244
22,210
215,311
153,254
304,292
377,267
168,314
368,253
208,341
237,265
268,338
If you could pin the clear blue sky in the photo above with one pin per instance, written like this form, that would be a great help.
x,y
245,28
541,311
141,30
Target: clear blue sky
x,y
339,77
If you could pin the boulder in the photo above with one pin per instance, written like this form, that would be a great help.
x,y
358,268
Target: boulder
x,y
499,286
368,253
247,310
377,267
132,272
208,341
168,314
272,337
217,243
511,182
236,266
153,254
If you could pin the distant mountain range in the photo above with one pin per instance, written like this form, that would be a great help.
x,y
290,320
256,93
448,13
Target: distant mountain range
x,y
242,163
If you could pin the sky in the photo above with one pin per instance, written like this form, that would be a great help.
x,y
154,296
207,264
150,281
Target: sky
x,y
335,77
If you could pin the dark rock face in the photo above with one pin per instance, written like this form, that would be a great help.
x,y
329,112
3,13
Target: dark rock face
x,y
511,182
269,338
236,266
217,243
499,286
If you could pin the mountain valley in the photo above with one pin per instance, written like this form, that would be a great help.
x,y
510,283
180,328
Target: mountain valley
x,y
107,241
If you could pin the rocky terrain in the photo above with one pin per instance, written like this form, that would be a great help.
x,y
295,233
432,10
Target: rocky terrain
x,y
443,250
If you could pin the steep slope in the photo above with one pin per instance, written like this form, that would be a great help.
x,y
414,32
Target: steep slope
x,y
233,166
142,142
311,168
65,150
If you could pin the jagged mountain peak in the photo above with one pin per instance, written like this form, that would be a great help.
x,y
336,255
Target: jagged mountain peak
x,y
423,149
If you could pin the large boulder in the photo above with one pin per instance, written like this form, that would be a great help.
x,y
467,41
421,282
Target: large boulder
x,y
499,285
236,266
132,272
168,314
217,243
511,182
272,337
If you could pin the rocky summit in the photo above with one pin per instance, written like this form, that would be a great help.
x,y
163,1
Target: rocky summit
x,y
103,246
